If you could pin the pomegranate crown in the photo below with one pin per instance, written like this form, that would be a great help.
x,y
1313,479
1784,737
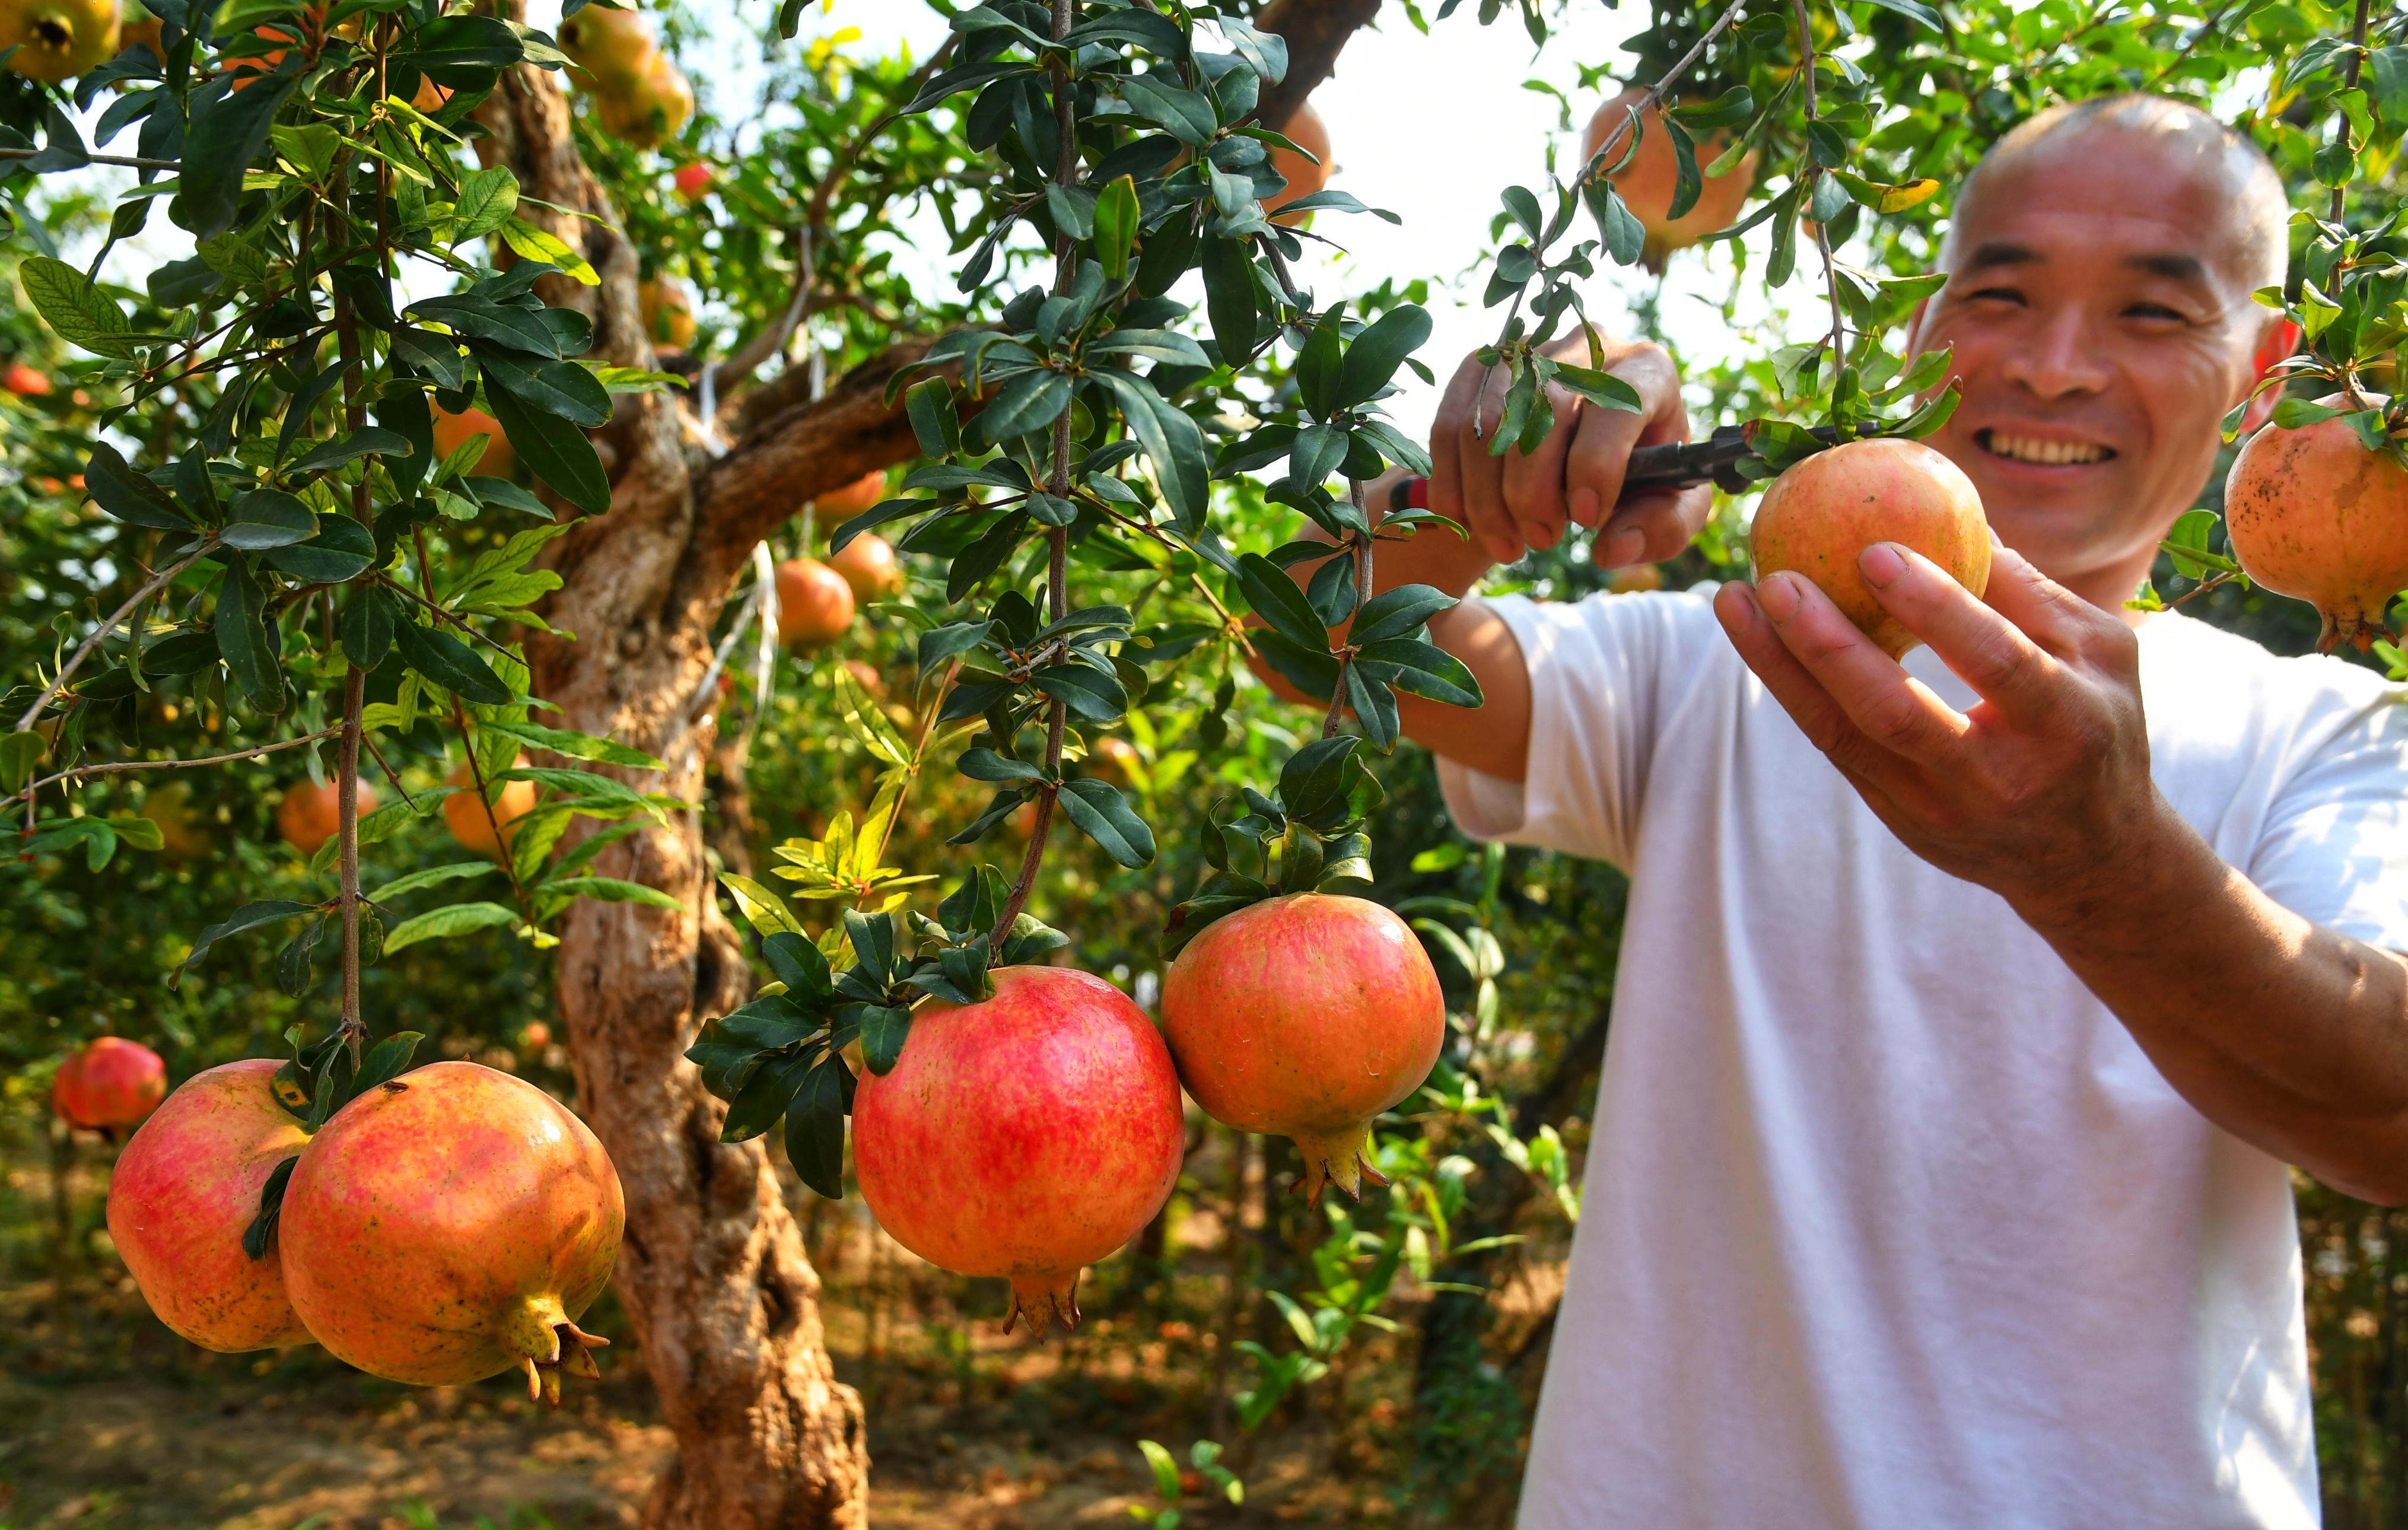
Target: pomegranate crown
x,y
1307,838
783,1055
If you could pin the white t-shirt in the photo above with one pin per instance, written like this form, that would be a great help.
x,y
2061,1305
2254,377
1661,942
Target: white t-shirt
x,y
1888,1221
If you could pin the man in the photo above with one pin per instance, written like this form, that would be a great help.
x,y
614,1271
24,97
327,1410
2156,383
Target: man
x,y
1970,1009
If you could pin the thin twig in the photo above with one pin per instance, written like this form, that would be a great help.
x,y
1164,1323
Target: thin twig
x,y
66,671
2349,82
352,1026
127,161
485,801
1655,96
1362,593
116,767
1814,172
2199,589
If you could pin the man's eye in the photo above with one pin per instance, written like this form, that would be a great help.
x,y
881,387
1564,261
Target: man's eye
x,y
1994,295
2152,310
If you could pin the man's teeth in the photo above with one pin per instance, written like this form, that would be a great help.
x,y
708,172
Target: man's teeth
x,y
2029,449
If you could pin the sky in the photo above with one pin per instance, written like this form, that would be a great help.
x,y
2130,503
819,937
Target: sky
x,y
1431,128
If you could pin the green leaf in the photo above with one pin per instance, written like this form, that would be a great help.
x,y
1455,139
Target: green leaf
x,y
228,129
537,245
367,441
884,1029
1378,351
431,877
341,551
250,916
388,1060
1230,298
1427,670
266,518
557,450
488,198
934,421
1277,600
443,923
129,496
451,663
577,746
245,641
1029,402
1399,613
464,51
82,315
1116,218
761,908
612,889
815,1127
20,752
368,622
1104,815
763,1098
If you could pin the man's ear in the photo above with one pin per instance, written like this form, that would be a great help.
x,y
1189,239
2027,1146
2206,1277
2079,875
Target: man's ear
x,y
2281,341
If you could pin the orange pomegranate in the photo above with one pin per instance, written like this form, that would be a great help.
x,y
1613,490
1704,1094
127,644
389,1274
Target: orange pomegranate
x,y
465,815
182,1194
452,431
311,814
862,494
109,1083
24,381
1024,1136
2310,513
666,312
536,1037
611,49
814,603
652,111
1647,182
1304,176
867,564
1306,1015
452,1225
1821,514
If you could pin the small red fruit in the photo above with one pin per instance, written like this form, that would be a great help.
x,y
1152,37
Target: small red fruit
x,y
464,811
814,604
1821,514
868,566
2312,514
182,1194
862,494
1025,1136
24,381
452,1225
111,1083
536,1037
693,179
1305,1017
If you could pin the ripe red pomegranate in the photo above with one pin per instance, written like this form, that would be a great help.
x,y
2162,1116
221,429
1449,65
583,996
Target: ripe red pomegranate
x,y
1647,182
814,603
181,1195
1304,176
1823,513
2312,514
1023,1137
862,494
693,178
24,381
450,1225
1305,1017
110,1083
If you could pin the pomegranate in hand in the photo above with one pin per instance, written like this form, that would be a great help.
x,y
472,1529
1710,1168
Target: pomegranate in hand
x,y
1024,1136
1305,1017
2312,514
111,1083
182,1194
451,1224
1821,514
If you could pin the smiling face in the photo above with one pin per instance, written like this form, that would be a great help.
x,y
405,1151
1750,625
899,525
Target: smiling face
x,y
2098,302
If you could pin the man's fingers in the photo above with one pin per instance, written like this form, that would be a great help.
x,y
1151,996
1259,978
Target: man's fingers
x,y
2055,616
1979,642
1820,717
1888,706
1534,485
1651,526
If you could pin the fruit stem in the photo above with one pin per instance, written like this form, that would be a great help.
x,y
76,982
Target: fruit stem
x,y
2349,82
1057,539
1814,172
346,782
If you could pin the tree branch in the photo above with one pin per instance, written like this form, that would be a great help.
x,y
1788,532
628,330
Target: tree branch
x,y
115,767
1315,31
66,671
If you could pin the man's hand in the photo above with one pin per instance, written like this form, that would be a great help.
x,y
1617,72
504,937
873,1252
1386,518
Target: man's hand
x,y
1513,503
2041,791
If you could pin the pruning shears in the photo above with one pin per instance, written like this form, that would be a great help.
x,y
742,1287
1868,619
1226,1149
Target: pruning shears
x,y
1681,464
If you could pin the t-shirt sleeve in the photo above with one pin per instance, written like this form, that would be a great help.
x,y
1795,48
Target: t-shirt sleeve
x,y
1602,672
2335,846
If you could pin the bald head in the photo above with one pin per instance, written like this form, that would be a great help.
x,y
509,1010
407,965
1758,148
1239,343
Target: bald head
x,y
2253,241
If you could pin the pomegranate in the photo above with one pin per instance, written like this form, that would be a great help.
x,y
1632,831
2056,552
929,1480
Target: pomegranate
x,y
1308,131
109,1083
464,811
862,494
55,40
1305,1017
611,49
692,179
1635,579
311,814
1114,759
24,381
1823,513
451,431
451,1224
869,568
1647,182
654,108
814,603
536,1037
1025,1136
666,312
182,1197
2312,514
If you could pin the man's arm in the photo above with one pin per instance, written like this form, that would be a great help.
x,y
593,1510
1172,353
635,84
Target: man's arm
x,y
2288,1034
1508,505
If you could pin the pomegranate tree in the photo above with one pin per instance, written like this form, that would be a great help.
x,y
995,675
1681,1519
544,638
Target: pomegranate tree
x,y
2311,512
1025,1136
1823,513
182,1194
1305,1017
108,1084
451,1224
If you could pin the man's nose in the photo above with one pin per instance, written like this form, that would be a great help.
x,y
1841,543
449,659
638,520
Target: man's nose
x,y
2059,357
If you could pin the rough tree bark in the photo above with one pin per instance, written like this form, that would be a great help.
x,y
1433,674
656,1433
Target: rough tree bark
x,y
713,1272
